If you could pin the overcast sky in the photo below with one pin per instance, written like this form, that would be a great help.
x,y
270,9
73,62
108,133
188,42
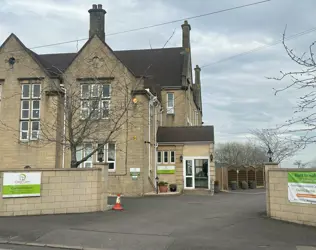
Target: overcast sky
x,y
237,96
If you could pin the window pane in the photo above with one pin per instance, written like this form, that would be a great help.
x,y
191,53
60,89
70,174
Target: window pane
x,y
36,105
25,114
87,164
172,156
189,182
35,125
165,159
188,168
36,114
94,109
88,150
36,90
95,90
85,91
79,153
25,104
105,109
106,90
170,100
111,165
158,156
35,135
111,152
24,125
24,135
25,91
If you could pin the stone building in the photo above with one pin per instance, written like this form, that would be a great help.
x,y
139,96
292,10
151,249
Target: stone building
x,y
117,97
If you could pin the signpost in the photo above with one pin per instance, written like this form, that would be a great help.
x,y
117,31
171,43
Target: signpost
x,y
302,187
134,172
21,184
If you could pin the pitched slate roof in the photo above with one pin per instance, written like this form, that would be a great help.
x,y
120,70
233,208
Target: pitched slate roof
x,y
164,66
185,134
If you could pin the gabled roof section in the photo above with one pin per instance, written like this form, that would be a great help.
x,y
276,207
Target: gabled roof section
x,y
33,55
185,134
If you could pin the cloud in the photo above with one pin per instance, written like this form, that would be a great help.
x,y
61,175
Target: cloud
x,y
237,96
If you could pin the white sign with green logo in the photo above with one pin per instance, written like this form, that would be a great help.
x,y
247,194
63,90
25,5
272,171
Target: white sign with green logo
x,y
302,187
166,169
21,184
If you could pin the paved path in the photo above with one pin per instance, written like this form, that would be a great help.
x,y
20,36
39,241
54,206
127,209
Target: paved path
x,y
225,221
14,247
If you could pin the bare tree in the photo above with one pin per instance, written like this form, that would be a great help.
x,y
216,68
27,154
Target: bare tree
x,y
240,154
301,164
303,122
281,146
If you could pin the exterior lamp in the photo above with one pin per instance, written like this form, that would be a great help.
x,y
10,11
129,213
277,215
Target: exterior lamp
x,y
100,155
211,157
270,154
181,158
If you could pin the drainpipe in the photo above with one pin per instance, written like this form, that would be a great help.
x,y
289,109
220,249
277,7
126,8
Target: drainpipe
x,y
64,128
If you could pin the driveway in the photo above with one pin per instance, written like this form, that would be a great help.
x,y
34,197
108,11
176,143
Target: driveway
x,y
224,221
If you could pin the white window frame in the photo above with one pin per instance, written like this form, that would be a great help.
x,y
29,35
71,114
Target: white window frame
x,y
101,109
27,131
107,156
163,160
30,90
174,157
170,109
37,131
159,152
90,98
30,120
32,109
29,110
82,148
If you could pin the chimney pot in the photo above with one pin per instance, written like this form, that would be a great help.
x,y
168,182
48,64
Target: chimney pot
x,y
94,6
99,6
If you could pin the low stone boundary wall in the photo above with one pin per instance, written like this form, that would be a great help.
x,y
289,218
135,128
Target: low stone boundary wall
x,y
277,199
61,191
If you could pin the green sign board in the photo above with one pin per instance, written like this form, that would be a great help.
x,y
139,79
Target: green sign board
x,y
166,170
21,184
301,187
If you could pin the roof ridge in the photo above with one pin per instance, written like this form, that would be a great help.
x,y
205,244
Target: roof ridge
x,y
126,50
62,53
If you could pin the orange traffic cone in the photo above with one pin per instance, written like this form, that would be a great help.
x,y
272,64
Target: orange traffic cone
x,y
118,205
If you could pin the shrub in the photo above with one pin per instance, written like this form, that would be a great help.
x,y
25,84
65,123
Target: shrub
x,y
163,183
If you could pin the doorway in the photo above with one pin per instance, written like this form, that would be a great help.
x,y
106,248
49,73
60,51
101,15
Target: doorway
x,y
196,172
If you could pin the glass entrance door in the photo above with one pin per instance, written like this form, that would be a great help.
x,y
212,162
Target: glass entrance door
x,y
188,173
201,173
195,173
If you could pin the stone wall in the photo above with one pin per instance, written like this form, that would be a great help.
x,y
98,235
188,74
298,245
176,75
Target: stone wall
x,y
62,191
278,205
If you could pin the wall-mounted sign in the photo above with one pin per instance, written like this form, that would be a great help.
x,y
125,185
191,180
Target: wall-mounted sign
x,y
166,169
302,187
21,184
134,171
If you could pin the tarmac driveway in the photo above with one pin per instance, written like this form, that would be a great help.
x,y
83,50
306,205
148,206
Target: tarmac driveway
x,y
224,221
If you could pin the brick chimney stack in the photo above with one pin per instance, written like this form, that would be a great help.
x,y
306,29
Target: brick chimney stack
x,y
197,82
97,22
186,35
